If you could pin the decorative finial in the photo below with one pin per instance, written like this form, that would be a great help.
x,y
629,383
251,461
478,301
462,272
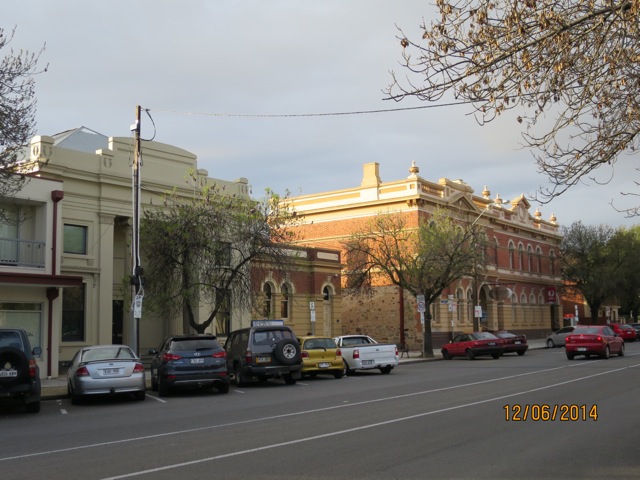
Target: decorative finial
x,y
414,170
552,218
486,193
538,214
498,200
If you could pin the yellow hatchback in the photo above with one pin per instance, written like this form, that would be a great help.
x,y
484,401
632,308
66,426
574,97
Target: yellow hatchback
x,y
320,355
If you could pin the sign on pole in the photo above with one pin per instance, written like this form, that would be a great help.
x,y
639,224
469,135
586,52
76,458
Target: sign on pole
x,y
420,304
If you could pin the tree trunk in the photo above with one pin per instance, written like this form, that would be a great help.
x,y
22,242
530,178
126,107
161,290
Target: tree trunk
x,y
427,342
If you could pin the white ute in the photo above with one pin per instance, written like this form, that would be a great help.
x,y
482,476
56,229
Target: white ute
x,y
361,352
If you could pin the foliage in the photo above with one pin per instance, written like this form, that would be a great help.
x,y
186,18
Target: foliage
x,y
593,260
576,61
17,110
201,253
423,259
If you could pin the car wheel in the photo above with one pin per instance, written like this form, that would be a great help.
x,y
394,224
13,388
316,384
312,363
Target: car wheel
x,y
346,370
238,377
386,369
338,374
222,387
33,407
621,352
607,353
521,352
140,396
471,355
75,399
570,355
550,344
446,355
495,356
154,382
163,388
287,352
288,379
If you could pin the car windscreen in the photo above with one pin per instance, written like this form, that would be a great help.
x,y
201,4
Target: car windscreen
x,y
10,339
269,337
319,343
586,331
194,345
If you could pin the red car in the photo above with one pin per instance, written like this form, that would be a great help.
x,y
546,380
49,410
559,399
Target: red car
x,y
589,340
473,345
513,342
627,332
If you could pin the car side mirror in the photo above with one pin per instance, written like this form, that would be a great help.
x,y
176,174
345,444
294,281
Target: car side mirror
x,y
37,351
153,351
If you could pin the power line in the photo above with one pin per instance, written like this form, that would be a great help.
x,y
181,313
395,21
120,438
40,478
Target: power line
x,y
289,115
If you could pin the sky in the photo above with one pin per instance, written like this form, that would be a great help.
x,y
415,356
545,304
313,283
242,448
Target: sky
x,y
218,78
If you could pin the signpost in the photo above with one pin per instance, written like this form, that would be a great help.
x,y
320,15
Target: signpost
x,y
421,306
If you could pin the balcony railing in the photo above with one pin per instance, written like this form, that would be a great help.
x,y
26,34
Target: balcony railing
x,y
22,253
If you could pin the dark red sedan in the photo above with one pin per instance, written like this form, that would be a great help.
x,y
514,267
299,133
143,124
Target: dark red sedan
x,y
473,345
513,343
599,340
626,332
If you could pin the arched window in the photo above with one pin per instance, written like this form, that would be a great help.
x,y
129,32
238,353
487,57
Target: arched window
x,y
268,303
538,260
529,258
512,256
326,294
552,261
284,302
521,257
496,246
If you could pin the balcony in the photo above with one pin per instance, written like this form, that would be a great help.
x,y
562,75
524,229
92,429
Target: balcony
x,y
22,253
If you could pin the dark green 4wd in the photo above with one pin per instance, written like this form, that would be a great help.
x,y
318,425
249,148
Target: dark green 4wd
x,y
19,373
268,349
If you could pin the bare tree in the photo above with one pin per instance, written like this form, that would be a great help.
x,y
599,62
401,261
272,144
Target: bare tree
x,y
575,61
17,111
202,253
423,259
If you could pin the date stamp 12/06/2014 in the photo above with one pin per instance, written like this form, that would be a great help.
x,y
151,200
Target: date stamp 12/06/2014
x,y
550,413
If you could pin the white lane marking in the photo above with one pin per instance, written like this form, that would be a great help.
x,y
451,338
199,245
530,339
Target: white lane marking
x,y
307,412
355,429
157,399
63,411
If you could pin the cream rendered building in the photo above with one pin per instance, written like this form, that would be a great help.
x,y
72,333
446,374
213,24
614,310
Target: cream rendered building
x,y
95,234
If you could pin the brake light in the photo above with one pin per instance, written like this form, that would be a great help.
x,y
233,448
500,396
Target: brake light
x,y
396,350
356,353
167,357
338,353
600,339
138,368
247,356
305,354
220,354
33,369
82,372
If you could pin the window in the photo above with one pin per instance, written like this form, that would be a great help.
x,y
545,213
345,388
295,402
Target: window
x,y
521,257
552,261
75,239
223,316
268,296
512,256
73,305
284,302
223,254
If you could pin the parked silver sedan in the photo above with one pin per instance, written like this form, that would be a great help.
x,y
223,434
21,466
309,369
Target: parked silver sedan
x,y
106,370
557,338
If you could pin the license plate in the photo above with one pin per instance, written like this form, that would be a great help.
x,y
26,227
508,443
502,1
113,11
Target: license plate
x,y
263,359
8,373
197,361
518,342
581,349
491,344
324,365
110,371
367,362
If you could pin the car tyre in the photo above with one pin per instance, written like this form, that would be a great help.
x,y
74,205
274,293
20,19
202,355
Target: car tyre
x,y
386,369
470,355
446,355
239,379
621,352
154,382
495,356
338,374
570,355
287,352
222,387
521,352
140,396
163,388
607,353
288,379
550,344
33,407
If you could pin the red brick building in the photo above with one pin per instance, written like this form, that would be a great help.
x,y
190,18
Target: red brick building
x,y
517,292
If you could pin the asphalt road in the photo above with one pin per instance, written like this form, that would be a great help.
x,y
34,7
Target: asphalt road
x,y
443,419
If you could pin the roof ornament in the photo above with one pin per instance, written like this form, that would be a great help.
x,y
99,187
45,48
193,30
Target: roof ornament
x,y
414,170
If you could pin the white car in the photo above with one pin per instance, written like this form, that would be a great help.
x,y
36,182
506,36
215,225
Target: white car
x,y
556,339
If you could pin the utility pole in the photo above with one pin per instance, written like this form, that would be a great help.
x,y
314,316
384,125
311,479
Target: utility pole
x,y
136,277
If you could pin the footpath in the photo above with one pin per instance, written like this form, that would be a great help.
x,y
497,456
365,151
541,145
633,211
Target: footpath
x,y
56,387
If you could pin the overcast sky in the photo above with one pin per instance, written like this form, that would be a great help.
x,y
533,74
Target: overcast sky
x,y
188,62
